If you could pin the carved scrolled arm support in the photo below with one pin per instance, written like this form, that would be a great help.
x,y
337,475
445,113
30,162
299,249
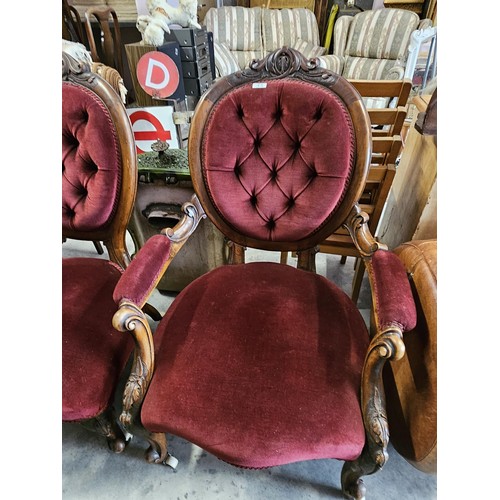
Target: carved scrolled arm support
x,y
193,214
130,318
386,345
357,225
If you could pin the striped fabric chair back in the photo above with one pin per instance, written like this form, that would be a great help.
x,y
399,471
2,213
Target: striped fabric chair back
x,y
372,43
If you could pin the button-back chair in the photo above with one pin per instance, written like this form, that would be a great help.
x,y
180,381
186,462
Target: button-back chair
x,y
263,364
99,183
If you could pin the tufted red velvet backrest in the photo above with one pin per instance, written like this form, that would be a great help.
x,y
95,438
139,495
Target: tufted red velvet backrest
x,y
277,157
91,161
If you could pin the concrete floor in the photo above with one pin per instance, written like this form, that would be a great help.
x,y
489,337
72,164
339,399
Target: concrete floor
x,y
91,471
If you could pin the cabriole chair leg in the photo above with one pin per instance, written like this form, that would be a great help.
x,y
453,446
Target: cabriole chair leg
x,y
106,425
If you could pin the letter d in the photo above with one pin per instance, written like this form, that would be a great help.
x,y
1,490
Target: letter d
x,y
149,74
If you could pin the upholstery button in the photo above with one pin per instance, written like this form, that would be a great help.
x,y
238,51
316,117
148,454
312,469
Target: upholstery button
x,y
297,145
278,113
239,111
237,169
253,199
274,173
73,141
85,115
257,141
270,223
291,201
318,114
70,212
92,167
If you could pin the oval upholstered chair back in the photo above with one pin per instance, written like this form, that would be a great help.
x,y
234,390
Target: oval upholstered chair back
x,y
99,164
280,153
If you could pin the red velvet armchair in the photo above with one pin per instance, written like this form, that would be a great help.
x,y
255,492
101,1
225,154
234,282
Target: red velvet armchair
x,y
263,364
99,182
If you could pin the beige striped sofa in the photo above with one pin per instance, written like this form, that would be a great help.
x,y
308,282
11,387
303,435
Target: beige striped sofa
x,y
242,34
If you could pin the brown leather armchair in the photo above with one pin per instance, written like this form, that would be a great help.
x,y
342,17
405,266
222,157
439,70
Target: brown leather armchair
x,y
411,382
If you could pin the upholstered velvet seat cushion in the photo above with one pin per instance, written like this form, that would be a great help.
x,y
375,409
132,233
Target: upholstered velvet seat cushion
x,y
260,364
93,352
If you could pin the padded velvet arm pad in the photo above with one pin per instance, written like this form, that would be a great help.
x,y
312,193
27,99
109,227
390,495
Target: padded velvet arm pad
x,y
144,272
393,302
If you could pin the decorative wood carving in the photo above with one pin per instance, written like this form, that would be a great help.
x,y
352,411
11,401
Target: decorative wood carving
x,y
193,213
130,318
306,259
357,225
77,71
288,62
386,345
105,425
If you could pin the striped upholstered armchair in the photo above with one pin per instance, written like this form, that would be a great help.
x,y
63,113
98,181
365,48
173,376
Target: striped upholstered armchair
x,y
373,45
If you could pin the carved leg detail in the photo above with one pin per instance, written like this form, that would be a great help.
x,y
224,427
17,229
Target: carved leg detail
x,y
352,484
385,345
105,425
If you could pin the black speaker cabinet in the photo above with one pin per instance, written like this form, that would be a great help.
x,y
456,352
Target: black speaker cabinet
x,y
173,51
197,63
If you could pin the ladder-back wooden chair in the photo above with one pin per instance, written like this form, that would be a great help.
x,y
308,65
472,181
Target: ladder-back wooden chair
x,y
387,144
263,364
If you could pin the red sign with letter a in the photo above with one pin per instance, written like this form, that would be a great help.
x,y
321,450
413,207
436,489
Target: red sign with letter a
x,y
153,123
